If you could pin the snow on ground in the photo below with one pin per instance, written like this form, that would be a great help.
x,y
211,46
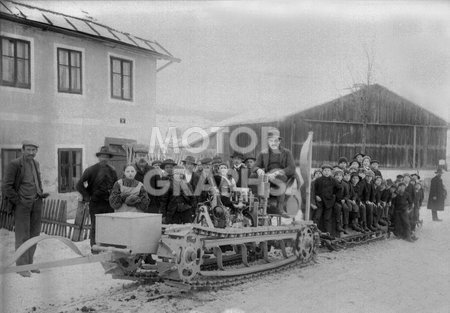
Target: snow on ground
x,y
386,276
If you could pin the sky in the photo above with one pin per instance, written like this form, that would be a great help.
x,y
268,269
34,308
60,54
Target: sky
x,y
281,56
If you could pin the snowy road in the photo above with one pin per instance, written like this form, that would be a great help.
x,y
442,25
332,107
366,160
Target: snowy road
x,y
386,276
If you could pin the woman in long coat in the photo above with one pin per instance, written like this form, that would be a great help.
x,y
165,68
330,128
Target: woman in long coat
x,y
437,195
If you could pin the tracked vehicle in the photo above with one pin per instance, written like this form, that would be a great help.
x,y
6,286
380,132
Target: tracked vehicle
x,y
222,247
217,250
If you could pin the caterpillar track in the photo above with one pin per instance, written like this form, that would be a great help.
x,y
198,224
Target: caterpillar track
x,y
199,257
196,257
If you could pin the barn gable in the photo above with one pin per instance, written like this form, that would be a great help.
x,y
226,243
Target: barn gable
x,y
380,105
373,120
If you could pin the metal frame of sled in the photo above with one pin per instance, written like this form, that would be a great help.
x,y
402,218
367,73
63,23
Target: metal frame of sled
x,y
109,254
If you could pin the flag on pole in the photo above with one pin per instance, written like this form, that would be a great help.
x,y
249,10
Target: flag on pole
x,y
305,174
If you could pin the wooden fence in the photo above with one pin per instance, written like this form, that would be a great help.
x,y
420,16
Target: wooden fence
x,y
54,220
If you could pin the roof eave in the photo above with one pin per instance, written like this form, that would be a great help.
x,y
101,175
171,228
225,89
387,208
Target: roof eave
x,y
84,35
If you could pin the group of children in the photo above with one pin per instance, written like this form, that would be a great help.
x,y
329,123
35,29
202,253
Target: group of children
x,y
354,195
185,185
349,195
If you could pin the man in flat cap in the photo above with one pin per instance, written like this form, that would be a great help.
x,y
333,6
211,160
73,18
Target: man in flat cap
x,y
95,186
22,190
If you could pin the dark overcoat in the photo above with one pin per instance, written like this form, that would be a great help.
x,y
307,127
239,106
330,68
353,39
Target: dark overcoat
x,y
14,175
437,194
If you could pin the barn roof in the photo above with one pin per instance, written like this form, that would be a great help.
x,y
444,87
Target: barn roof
x,y
261,117
56,21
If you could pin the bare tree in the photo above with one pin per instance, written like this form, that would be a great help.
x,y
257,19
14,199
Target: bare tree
x,y
361,95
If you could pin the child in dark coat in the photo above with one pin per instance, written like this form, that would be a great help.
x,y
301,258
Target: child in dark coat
x,y
352,201
341,209
128,194
402,204
418,199
325,189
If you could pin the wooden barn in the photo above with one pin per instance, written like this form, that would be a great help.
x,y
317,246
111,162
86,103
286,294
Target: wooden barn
x,y
372,119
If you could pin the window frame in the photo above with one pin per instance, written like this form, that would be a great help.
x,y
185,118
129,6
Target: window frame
x,y
15,84
72,184
69,66
122,61
3,151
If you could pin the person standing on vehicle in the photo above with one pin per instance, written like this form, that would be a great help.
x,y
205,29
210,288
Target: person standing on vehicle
x,y
22,190
95,186
278,163
437,195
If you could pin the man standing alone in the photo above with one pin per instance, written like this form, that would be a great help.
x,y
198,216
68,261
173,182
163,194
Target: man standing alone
x,y
437,195
22,188
100,179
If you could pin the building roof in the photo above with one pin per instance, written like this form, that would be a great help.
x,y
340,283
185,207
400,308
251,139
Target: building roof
x,y
260,117
56,21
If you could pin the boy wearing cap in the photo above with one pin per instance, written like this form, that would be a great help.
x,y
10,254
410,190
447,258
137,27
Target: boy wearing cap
x,y
380,206
238,169
342,163
371,208
374,164
402,204
366,162
23,194
398,179
325,189
157,164
353,201
359,157
366,211
249,162
178,203
206,181
215,162
409,185
341,209
317,173
359,190
204,163
354,165
385,201
418,199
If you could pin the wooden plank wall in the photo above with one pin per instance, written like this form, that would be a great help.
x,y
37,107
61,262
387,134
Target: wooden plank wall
x,y
338,129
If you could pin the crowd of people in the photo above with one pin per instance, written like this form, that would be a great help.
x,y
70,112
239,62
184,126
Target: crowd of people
x,y
174,190
351,195
354,195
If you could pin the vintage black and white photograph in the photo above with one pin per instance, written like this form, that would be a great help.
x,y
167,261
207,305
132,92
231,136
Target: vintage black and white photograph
x,y
224,156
